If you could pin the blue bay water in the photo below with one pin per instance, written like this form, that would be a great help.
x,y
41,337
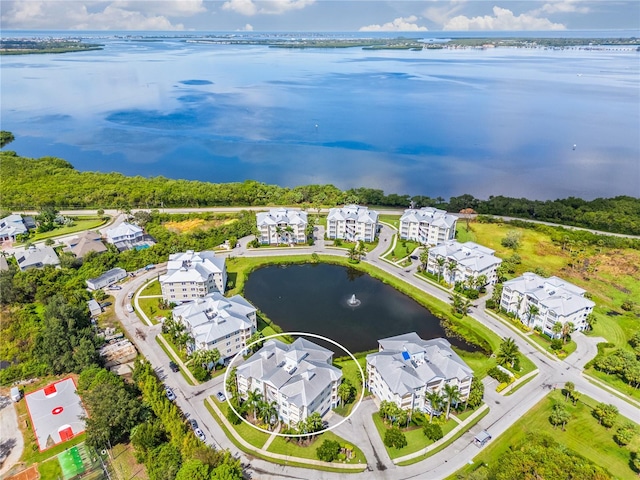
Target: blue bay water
x,y
435,122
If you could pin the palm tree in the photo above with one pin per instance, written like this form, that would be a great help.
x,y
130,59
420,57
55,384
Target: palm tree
x,y
254,398
289,231
556,329
279,232
440,261
508,352
212,356
481,281
451,395
452,265
435,402
567,328
591,320
532,311
424,258
268,410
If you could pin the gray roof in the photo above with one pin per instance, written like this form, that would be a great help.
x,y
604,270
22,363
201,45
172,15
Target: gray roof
x,y
192,266
37,256
213,316
300,370
94,307
107,276
277,216
4,265
12,225
353,212
84,243
430,215
558,295
425,361
467,255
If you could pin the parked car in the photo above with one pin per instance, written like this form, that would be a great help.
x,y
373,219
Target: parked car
x,y
220,396
114,287
200,434
130,294
106,304
170,395
193,423
174,367
129,308
151,266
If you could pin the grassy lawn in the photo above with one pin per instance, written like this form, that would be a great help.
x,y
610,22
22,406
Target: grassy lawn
x,y
350,372
337,469
390,219
150,307
402,249
125,464
50,470
282,446
152,288
416,439
615,382
567,348
583,435
80,224
520,385
251,435
468,328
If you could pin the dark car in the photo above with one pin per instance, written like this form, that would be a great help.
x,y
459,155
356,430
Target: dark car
x,y
193,423
413,257
106,304
174,367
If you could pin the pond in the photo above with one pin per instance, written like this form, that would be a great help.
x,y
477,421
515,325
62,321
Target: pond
x,y
317,298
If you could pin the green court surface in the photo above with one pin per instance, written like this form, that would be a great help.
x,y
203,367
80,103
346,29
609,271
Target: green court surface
x,y
71,463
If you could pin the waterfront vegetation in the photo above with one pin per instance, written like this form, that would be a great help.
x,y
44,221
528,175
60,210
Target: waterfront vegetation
x,y
31,183
78,224
582,435
20,46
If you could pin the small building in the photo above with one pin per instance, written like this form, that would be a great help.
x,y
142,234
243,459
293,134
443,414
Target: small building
x,y
107,278
11,226
281,225
352,223
192,275
406,368
298,377
37,257
216,322
84,243
428,226
94,308
463,261
481,438
4,265
542,302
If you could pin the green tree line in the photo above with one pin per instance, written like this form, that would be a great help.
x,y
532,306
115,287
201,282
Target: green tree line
x,y
34,183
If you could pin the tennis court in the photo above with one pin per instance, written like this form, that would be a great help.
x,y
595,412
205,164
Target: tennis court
x,y
71,462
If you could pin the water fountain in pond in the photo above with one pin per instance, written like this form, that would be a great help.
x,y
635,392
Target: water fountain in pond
x,y
353,301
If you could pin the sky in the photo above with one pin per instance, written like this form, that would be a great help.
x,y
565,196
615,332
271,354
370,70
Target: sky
x,y
320,15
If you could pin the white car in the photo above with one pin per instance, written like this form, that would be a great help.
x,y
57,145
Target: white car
x,y
129,308
170,395
130,295
200,434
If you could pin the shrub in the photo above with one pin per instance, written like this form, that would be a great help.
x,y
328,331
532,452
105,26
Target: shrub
x,y
499,375
393,437
501,387
432,431
328,451
625,434
556,344
490,304
200,374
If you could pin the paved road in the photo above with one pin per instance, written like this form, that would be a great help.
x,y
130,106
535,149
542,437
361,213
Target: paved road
x,y
11,441
504,410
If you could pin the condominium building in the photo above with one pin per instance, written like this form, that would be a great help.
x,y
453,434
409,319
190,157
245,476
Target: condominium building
x,y
457,262
428,226
352,223
218,322
192,275
554,299
281,225
299,377
406,367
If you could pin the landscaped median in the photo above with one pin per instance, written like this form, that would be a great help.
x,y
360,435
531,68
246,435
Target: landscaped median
x,y
253,441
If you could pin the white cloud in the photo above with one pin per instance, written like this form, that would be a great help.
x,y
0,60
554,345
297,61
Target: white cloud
x,y
400,24
440,13
168,8
76,16
267,7
247,28
563,6
502,19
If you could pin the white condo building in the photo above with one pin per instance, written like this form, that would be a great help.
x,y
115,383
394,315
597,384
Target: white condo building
x,y
470,259
428,225
406,367
556,300
281,225
218,322
192,275
352,223
299,377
